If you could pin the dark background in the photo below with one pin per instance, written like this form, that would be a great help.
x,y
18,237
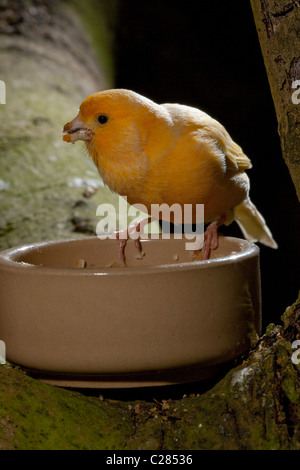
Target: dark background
x,y
207,54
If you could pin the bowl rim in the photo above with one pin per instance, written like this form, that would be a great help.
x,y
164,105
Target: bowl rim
x,y
8,263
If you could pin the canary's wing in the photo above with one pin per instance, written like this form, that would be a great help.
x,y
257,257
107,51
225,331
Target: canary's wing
x,y
210,128
235,157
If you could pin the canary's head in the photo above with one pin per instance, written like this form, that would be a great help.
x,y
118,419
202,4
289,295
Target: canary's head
x,y
115,126
110,121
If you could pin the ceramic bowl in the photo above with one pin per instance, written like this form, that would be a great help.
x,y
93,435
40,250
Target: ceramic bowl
x,y
72,316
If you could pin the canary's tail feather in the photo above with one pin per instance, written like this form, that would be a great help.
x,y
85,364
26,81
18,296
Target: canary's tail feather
x,y
252,224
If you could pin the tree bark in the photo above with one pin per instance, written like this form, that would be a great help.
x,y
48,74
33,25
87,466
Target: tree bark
x,y
278,27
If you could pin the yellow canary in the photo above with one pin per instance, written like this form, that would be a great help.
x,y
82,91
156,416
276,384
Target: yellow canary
x,y
169,153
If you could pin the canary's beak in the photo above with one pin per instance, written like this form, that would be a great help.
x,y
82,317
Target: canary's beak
x,y
77,130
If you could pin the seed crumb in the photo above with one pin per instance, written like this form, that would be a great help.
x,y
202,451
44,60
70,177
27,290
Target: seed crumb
x,y
81,263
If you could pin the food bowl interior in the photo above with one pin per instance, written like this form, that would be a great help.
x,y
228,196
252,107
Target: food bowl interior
x,y
100,254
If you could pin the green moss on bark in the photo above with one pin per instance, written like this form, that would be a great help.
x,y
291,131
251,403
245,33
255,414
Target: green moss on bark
x,y
36,416
48,74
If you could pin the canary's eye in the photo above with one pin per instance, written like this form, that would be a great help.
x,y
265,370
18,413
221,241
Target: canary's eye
x,y
102,119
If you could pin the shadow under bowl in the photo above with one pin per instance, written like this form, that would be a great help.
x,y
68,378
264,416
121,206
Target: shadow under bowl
x,y
73,317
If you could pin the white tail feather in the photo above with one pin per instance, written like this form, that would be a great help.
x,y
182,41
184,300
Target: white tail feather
x,y
252,224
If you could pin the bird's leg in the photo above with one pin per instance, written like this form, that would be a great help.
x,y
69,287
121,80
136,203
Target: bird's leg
x,y
123,236
211,237
122,252
139,227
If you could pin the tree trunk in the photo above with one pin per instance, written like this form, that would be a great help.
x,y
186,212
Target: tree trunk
x,y
278,26
49,64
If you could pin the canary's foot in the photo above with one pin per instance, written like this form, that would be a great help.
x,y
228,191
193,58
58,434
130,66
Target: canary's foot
x,y
122,236
122,244
210,240
133,231
122,252
211,237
